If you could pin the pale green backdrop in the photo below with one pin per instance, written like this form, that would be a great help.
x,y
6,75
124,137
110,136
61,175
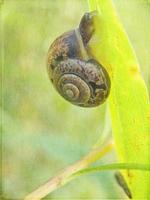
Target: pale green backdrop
x,y
42,133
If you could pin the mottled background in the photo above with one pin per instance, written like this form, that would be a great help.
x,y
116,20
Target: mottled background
x,y
42,133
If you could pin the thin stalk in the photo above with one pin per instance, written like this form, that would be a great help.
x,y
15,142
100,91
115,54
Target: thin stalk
x,y
66,175
114,166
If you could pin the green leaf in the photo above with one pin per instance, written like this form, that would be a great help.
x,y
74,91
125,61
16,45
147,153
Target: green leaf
x,y
128,102
114,166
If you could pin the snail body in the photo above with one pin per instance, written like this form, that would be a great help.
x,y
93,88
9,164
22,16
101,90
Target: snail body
x,y
76,76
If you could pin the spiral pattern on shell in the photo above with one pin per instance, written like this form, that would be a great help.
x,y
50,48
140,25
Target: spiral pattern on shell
x,y
82,83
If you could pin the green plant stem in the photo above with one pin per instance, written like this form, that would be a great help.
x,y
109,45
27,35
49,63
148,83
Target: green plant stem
x,y
114,166
66,175
129,104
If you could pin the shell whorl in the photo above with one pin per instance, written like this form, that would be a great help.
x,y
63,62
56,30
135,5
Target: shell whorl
x,y
80,82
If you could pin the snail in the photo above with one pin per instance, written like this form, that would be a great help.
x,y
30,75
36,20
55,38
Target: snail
x,y
78,77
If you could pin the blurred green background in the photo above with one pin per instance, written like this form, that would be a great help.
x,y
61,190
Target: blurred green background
x,y
42,133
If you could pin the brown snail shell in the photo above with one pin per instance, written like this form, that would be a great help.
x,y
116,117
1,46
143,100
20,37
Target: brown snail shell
x,y
78,78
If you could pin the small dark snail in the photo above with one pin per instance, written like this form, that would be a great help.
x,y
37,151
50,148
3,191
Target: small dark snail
x,y
76,76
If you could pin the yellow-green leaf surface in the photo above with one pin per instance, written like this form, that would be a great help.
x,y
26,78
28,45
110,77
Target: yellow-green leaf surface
x,y
128,101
